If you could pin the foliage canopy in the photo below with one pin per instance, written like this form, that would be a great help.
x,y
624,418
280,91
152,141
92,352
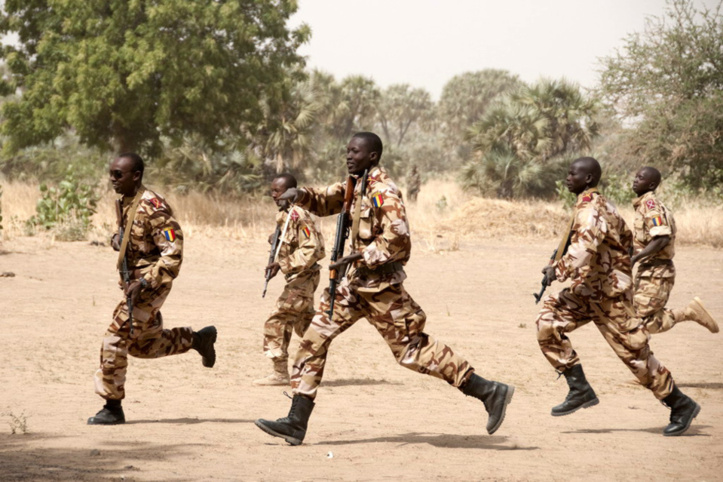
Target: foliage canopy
x,y
125,74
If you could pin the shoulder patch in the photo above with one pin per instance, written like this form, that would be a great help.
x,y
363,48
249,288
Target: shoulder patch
x,y
156,202
650,204
294,215
169,234
587,198
377,199
306,232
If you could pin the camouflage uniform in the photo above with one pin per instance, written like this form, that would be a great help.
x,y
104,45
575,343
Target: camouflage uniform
x,y
655,274
373,289
154,253
601,291
301,248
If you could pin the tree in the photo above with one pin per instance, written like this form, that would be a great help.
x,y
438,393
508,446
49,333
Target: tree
x,y
126,74
521,139
399,108
465,99
666,84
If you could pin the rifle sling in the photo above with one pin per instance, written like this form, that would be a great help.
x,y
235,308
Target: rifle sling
x,y
129,224
357,210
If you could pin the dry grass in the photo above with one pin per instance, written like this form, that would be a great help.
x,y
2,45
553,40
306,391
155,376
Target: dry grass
x,y
442,217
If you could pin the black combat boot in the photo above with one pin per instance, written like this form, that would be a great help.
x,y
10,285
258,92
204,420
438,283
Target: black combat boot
x,y
494,395
683,410
110,414
581,394
203,341
291,428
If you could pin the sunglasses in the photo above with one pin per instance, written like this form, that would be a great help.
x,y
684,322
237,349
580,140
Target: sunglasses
x,y
116,174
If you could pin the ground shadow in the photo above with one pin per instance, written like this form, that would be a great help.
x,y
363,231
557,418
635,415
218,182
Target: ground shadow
x,y
709,385
345,382
693,431
441,440
190,421
109,460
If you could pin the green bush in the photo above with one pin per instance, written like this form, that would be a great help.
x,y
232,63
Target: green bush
x,y
66,208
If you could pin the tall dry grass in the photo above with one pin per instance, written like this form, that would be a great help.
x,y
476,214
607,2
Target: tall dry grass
x,y
441,218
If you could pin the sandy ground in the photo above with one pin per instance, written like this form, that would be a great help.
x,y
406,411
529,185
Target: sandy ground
x,y
374,420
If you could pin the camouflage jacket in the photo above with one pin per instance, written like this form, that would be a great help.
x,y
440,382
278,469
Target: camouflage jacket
x,y
383,236
652,219
598,259
156,241
302,245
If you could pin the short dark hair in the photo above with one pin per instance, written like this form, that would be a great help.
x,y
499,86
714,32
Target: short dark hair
x,y
138,164
654,174
590,165
375,143
289,179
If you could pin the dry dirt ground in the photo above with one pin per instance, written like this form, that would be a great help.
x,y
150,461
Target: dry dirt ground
x,y
374,420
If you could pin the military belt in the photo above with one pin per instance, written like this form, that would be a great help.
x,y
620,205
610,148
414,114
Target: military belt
x,y
387,268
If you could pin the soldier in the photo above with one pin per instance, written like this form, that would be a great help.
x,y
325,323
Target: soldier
x,y
373,289
301,246
414,184
654,248
598,262
153,246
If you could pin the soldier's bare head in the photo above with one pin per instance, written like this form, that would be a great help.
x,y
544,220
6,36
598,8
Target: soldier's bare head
x,y
126,173
279,185
646,179
363,152
584,173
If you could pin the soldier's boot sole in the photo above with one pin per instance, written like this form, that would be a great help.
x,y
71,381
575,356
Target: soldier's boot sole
x,y
288,438
704,318
587,404
685,427
508,399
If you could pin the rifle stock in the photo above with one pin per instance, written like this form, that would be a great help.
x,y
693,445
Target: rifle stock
x,y
342,233
124,272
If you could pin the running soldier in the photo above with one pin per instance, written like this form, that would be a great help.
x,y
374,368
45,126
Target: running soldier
x,y
153,248
300,247
653,250
598,262
373,289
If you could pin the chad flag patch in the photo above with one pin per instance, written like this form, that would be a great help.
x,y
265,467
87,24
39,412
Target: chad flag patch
x,y
169,234
657,221
377,200
306,232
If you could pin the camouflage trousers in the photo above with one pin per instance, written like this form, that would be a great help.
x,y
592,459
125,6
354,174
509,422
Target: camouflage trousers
x,y
149,340
651,296
293,312
396,317
626,335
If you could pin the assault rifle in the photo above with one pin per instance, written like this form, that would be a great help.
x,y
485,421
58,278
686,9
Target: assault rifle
x,y
342,233
538,296
124,271
272,257
275,248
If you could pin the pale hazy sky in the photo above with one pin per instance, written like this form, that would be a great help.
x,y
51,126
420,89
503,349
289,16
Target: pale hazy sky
x,y
426,42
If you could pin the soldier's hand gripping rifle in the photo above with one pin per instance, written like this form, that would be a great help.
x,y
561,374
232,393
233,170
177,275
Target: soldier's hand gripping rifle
x,y
124,271
275,248
538,296
343,223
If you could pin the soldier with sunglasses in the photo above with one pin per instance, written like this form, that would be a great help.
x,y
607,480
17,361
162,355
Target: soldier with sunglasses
x,y
152,250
